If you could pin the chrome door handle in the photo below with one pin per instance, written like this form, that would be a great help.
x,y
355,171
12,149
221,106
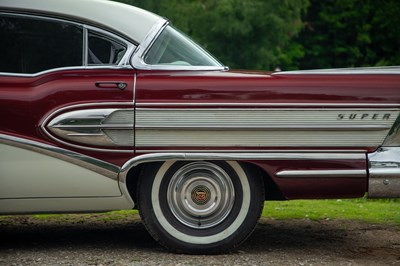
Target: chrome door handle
x,y
111,85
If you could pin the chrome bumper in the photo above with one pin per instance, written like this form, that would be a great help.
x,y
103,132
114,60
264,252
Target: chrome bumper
x,y
384,173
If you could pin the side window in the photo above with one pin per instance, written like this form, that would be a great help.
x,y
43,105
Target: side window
x,y
31,45
104,50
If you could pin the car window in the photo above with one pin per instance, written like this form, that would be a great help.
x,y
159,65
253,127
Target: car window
x,y
30,45
174,48
104,50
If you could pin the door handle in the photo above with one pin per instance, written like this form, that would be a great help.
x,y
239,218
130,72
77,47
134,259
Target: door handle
x,y
111,85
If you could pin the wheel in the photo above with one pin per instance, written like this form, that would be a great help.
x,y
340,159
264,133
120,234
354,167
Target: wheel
x,y
200,207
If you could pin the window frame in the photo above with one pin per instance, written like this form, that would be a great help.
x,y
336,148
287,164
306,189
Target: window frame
x,y
123,64
138,61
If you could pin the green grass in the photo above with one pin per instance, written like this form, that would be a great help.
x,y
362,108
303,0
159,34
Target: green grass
x,y
375,211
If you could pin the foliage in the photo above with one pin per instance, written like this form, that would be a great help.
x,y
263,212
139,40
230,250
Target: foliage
x,y
249,34
351,33
292,34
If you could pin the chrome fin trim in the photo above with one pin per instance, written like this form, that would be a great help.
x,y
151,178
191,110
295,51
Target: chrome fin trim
x,y
107,127
384,173
95,165
393,138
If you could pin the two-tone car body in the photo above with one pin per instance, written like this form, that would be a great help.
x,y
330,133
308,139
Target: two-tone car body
x,y
104,106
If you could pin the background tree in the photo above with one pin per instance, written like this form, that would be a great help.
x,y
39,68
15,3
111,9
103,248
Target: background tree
x,y
351,33
291,34
249,34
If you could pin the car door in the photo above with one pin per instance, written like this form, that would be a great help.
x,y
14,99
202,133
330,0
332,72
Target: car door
x,y
50,68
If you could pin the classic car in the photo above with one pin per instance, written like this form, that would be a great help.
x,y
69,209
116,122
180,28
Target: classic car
x,y
105,106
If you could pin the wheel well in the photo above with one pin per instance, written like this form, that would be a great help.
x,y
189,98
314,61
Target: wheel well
x,y
132,182
271,190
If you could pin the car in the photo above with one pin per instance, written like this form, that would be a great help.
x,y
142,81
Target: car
x,y
105,106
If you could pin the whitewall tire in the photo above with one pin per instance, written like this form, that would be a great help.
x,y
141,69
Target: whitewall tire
x,y
200,207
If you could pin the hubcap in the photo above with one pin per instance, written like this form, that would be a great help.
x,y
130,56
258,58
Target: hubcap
x,y
200,195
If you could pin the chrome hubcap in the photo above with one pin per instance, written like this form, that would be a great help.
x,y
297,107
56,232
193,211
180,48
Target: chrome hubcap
x,y
200,195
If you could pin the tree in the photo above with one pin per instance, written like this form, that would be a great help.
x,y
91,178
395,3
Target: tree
x,y
351,33
250,34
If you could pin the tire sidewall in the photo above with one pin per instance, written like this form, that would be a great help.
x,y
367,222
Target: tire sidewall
x,y
171,233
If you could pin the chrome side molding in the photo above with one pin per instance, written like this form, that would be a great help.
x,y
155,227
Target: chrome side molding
x,y
101,167
384,173
95,127
332,173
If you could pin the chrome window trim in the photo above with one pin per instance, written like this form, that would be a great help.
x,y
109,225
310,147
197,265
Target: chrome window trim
x,y
123,64
85,49
54,70
92,12
130,48
137,60
101,167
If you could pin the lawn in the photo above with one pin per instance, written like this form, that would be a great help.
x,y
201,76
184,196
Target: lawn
x,y
374,211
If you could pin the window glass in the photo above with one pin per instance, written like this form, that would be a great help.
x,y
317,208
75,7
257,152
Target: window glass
x,y
174,48
30,45
104,51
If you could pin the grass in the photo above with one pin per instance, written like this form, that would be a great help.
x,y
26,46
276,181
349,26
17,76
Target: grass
x,y
374,211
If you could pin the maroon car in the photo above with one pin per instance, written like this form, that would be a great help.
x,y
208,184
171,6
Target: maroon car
x,y
104,106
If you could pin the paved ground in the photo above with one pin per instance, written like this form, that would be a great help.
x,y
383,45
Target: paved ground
x,y
78,240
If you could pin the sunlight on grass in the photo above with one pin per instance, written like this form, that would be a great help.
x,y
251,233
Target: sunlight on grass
x,y
376,211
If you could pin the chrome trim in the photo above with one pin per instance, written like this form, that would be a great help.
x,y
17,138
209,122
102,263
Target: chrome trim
x,y
267,105
137,60
387,70
322,173
130,48
271,127
218,195
65,69
95,165
116,17
141,49
85,50
156,157
85,105
249,151
393,138
95,127
262,127
384,173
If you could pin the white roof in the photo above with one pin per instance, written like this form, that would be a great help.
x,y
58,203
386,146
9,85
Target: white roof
x,y
133,22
